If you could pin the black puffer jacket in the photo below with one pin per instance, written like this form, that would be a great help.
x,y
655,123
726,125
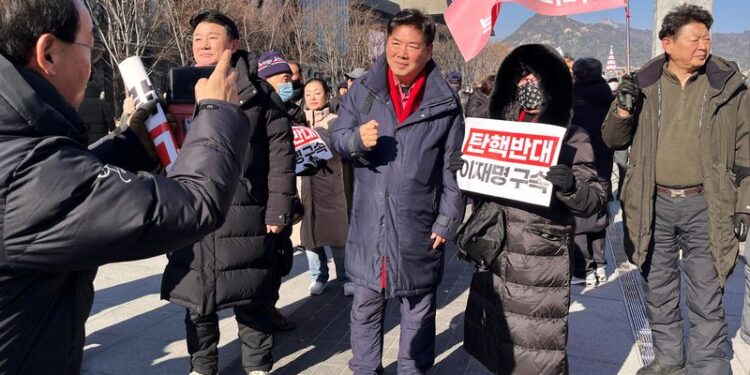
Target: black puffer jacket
x,y
516,323
64,212
235,265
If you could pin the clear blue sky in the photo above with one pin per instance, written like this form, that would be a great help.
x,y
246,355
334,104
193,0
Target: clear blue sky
x,y
730,16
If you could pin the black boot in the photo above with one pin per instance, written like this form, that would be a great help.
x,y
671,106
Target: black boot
x,y
656,368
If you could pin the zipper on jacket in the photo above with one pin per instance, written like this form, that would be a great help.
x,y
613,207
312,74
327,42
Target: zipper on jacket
x,y
383,273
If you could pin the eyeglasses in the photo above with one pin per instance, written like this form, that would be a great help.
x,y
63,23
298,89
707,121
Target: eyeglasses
x,y
96,51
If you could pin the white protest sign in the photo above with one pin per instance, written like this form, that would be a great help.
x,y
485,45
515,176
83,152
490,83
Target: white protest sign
x,y
509,160
308,147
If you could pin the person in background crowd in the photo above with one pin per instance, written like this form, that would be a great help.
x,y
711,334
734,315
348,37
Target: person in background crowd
x,y
67,210
335,102
686,191
592,100
343,88
569,61
516,321
350,78
96,113
297,83
354,75
406,202
326,218
456,83
478,103
276,71
235,266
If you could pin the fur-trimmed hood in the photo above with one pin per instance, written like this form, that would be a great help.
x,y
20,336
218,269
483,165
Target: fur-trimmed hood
x,y
554,81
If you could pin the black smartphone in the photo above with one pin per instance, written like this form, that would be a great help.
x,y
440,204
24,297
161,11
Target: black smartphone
x,y
182,83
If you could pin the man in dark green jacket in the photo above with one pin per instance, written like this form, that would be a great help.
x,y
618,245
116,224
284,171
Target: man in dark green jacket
x,y
687,119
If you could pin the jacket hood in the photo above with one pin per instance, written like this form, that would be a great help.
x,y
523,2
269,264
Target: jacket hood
x,y
554,81
30,106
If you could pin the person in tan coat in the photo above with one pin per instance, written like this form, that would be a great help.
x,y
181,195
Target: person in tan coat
x,y
326,219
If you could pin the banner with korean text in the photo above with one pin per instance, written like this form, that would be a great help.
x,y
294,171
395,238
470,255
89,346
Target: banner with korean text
x,y
308,148
509,160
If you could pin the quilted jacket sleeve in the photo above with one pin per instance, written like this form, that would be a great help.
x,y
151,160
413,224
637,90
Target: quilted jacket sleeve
x,y
66,210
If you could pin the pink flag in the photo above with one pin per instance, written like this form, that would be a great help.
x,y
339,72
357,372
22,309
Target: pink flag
x,y
471,21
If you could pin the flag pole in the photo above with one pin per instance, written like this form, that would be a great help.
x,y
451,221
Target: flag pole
x,y
627,35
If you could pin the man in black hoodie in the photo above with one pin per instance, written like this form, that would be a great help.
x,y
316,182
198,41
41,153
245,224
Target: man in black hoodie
x,y
235,266
65,210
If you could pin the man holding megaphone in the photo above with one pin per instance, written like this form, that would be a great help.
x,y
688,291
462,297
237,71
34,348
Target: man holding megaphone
x,y
66,210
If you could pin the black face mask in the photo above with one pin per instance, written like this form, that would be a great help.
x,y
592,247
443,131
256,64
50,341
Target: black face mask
x,y
530,96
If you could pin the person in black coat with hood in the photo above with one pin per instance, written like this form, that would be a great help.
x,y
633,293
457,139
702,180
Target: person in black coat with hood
x,y
592,100
66,210
516,319
235,266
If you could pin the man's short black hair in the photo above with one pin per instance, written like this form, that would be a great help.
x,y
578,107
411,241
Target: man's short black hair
x,y
214,16
416,19
587,68
22,22
681,16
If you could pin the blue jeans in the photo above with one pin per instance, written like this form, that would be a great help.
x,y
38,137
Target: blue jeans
x,y
318,263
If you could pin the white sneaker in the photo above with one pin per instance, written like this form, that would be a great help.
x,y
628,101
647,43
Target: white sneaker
x,y
349,289
258,372
195,373
590,278
601,274
317,288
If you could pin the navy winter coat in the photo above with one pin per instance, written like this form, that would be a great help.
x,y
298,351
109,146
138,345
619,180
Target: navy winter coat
x,y
403,189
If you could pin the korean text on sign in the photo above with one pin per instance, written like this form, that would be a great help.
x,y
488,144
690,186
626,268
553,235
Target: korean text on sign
x,y
510,160
308,148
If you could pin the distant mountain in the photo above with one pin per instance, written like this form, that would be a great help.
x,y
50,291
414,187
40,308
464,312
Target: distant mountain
x,y
593,40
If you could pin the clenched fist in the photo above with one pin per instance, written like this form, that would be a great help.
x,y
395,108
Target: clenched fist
x,y
369,134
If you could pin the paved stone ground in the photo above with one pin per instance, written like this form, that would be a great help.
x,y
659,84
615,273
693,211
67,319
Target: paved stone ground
x,y
131,331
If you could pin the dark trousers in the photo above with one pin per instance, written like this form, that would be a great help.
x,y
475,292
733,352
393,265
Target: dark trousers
x,y
589,252
682,223
254,333
416,350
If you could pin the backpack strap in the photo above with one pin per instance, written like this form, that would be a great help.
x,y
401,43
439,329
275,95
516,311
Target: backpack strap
x,y
367,104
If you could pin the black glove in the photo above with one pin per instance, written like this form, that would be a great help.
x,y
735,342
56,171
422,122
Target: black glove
x,y
561,176
456,162
137,124
627,93
741,224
